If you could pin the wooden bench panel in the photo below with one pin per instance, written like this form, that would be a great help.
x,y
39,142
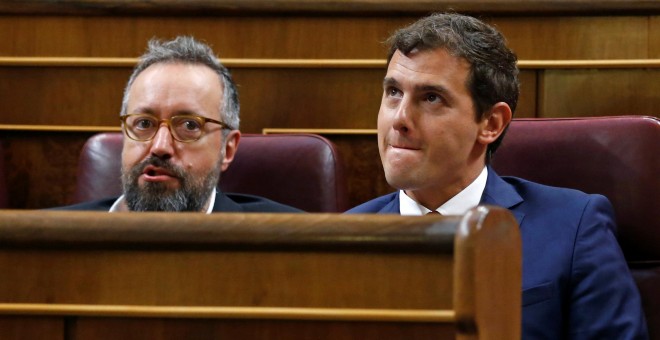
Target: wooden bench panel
x,y
358,275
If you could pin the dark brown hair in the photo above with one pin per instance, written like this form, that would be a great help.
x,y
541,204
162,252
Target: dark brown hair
x,y
493,74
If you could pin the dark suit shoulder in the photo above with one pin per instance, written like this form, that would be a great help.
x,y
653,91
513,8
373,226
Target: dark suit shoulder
x,y
98,205
549,196
375,205
252,203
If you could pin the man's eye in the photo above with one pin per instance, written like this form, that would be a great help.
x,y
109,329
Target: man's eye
x,y
191,125
433,98
144,124
392,92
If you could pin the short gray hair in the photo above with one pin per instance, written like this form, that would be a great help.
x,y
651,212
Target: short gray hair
x,y
186,49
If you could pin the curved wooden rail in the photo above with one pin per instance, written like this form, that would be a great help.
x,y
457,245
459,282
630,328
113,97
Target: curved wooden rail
x,y
21,228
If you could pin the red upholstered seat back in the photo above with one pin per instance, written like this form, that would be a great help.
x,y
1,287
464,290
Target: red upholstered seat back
x,y
302,170
614,156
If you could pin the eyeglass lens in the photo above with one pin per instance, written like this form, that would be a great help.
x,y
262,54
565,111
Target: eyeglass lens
x,y
183,128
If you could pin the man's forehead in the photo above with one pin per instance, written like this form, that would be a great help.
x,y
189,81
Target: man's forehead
x,y
176,68
421,63
175,89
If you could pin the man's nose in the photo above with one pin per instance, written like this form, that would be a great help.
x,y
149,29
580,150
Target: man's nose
x,y
402,116
163,144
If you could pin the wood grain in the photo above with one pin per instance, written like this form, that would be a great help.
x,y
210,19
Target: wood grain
x,y
302,97
575,93
166,329
317,37
40,167
107,7
239,269
31,327
576,37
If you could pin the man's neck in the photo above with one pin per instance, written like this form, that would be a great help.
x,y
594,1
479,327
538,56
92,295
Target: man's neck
x,y
458,204
432,197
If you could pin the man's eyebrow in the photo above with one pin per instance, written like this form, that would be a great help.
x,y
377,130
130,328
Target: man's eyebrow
x,y
143,110
186,113
433,88
389,81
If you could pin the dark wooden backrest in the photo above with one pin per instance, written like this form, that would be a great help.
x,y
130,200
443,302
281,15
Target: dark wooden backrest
x,y
4,199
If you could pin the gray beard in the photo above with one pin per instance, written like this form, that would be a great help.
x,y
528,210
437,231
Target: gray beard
x,y
191,195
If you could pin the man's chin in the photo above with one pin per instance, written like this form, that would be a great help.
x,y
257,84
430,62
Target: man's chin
x,y
160,186
400,181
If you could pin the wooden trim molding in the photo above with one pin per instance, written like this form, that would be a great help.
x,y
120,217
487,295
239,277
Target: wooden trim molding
x,y
586,64
390,7
273,313
268,131
265,131
228,62
58,128
318,63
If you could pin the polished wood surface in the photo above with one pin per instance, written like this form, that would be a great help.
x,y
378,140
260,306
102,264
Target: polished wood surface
x,y
477,268
40,166
247,272
563,37
32,327
273,313
654,35
70,229
63,71
175,329
281,93
605,92
320,63
319,6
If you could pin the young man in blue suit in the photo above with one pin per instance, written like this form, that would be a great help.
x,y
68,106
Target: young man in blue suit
x,y
180,116
448,96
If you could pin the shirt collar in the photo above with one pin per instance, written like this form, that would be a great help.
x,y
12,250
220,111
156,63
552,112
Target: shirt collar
x,y
115,206
465,200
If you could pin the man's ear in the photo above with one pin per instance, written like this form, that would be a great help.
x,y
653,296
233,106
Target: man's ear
x,y
231,146
494,123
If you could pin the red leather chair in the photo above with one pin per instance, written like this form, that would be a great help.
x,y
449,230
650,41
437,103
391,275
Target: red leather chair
x,y
618,157
301,170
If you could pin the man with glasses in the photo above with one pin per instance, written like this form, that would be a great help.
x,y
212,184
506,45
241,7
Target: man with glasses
x,y
180,117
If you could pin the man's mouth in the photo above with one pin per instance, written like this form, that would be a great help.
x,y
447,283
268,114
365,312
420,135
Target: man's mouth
x,y
403,146
156,174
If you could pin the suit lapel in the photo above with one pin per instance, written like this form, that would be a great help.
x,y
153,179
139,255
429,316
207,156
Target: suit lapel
x,y
497,192
392,207
502,194
225,204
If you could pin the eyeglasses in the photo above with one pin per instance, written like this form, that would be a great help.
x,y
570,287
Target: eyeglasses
x,y
184,128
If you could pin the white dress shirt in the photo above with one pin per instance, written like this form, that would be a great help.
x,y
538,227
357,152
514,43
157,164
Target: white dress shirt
x,y
465,200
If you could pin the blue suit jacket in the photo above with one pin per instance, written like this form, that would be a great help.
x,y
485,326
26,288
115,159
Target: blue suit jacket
x,y
576,284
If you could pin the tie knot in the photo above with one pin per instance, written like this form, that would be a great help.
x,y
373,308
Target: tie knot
x,y
433,213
